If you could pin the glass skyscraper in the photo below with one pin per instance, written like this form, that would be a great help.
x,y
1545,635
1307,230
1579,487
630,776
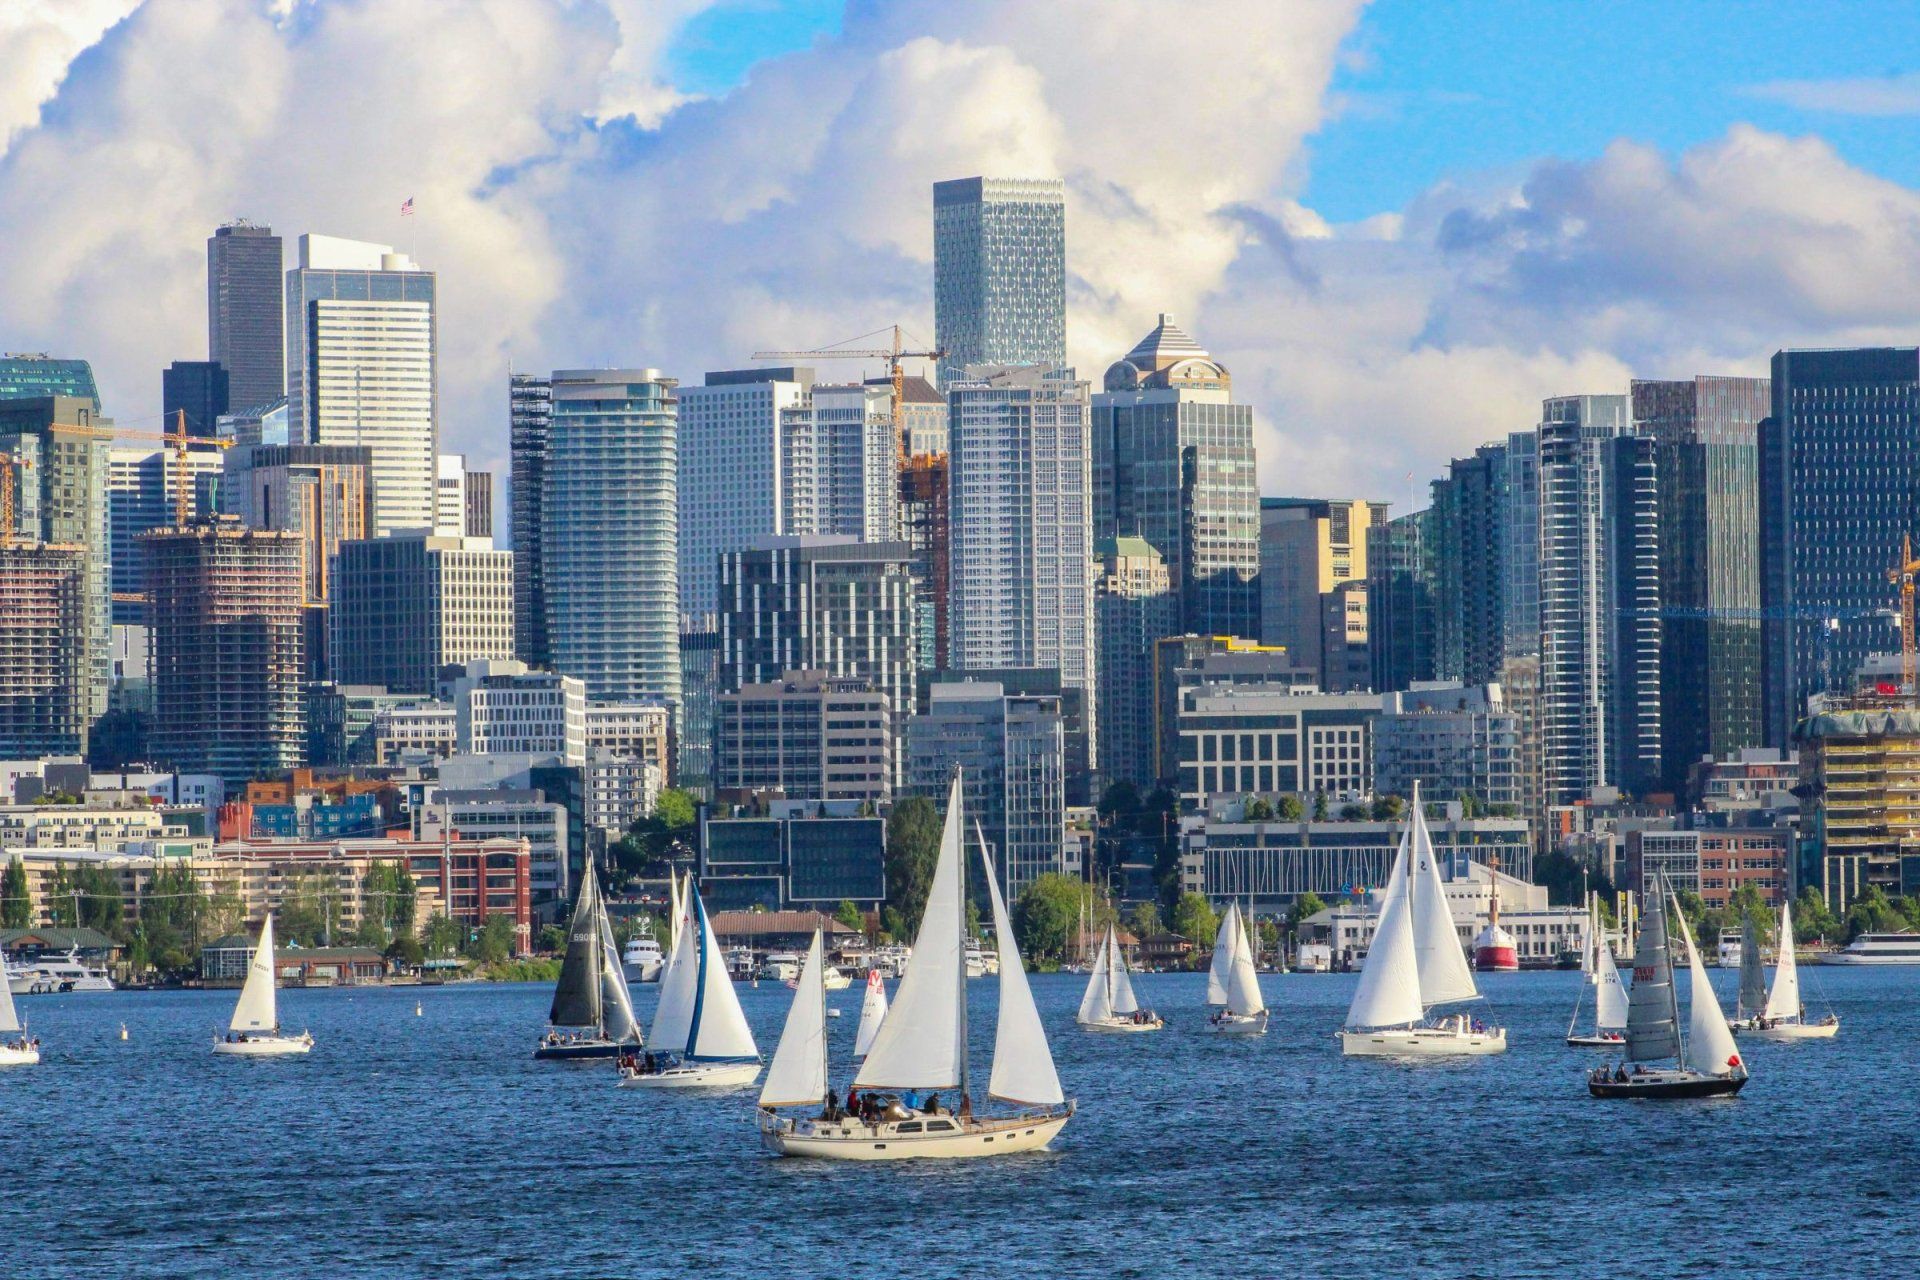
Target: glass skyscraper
x,y
244,313
608,545
1469,537
529,407
999,272
23,376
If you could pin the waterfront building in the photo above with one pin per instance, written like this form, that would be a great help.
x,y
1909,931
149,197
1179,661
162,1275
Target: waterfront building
x,y
529,412
745,472
229,664
33,375
1185,662
1402,604
1544,936
361,350
1173,463
246,312
43,654
406,607
1022,567
1858,769
1134,608
608,541
197,389
1452,740
827,604
1311,550
806,736
1011,749
1467,534
801,855
502,814
999,273
1832,516
1274,740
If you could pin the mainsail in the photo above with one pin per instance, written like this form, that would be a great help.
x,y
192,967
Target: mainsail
x,y
1444,976
1389,990
1022,1063
1609,999
679,986
1784,1000
1753,971
1118,980
9,1016
1222,967
873,1011
922,1044
1243,984
717,1028
798,1076
1710,1046
1653,1017
616,1002
256,1010
1096,1004
577,996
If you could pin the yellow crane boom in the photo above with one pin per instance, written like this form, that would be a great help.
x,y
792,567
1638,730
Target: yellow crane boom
x,y
893,355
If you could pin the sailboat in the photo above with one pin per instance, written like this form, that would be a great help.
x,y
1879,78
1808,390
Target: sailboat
x,y
1415,964
1609,998
592,1011
1232,983
21,1050
1109,1003
922,1046
873,1011
255,1031
700,1035
1780,1015
1705,1061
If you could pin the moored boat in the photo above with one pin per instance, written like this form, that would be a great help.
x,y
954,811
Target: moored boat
x,y
1878,948
17,1048
254,1031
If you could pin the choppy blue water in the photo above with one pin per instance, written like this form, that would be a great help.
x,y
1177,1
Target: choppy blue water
x,y
413,1145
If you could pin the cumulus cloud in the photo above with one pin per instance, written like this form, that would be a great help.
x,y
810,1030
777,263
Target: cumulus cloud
x,y
1889,95
39,39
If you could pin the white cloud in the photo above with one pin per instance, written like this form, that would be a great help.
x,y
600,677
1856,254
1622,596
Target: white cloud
x,y
39,39
1889,95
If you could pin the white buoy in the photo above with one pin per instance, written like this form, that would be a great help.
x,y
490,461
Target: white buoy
x,y
416,1010
123,1031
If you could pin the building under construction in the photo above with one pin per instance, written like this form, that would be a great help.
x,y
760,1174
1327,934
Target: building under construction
x,y
923,525
43,654
228,648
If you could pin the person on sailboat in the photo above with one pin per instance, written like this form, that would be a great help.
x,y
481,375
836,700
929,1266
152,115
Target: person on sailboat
x,y
933,1105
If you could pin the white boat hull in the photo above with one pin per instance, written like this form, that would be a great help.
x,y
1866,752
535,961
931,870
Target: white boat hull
x,y
697,1075
1857,957
19,1055
851,1139
1122,1026
1789,1031
1423,1042
1597,1042
1230,1024
265,1046
643,971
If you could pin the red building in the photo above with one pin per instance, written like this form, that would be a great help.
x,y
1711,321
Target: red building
x,y
1759,856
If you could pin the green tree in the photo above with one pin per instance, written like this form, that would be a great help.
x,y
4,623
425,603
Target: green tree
x,y
1195,920
1873,912
1319,806
552,938
493,944
1144,920
1469,804
309,912
173,919
1259,809
1567,879
1307,904
850,915
655,842
16,898
1354,812
1813,921
406,951
441,937
1291,809
1388,808
1046,916
913,847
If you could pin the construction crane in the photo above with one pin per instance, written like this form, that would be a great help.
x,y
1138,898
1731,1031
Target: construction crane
x,y
893,355
1902,576
8,462
178,439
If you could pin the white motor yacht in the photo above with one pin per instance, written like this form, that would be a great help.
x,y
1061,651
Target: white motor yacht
x,y
1878,948
50,974
643,960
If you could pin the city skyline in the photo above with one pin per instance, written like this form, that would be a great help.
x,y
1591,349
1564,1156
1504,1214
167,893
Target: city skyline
x,y
1431,309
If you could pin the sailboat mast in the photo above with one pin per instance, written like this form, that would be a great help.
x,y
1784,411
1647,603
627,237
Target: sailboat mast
x,y
960,905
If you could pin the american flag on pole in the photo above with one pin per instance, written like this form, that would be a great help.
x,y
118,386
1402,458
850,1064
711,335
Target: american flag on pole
x,y
406,207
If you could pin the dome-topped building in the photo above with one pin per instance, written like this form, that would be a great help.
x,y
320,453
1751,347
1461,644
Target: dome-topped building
x,y
1168,357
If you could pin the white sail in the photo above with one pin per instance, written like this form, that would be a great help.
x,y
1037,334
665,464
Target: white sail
x,y
873,1011
9,1016
676,908
719,1030
1119,981
1222,967
1444,976
922,1043
1022,1063
679,984
798,1076
1243,983
1710,1046
1096,1004
1784,1001
1389,990
256,1010
1609,997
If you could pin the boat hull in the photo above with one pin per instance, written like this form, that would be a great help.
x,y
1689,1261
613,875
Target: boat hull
x,y
1667,1084
851,1139
647,971
1790,1031
265,1047
1423,1042
1228,1024
1855,957
1597,1042
569,1051
19,1055
700,1075
1122,1026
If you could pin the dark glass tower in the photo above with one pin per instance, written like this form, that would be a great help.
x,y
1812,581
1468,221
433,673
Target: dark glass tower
x,y
245,314
1469,536
1400,601
197,387
529,410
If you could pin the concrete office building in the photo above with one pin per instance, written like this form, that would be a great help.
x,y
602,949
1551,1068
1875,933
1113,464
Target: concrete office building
x,y
1134,608
1173,463
608,546
1268,740
1310,549
43,672
361,351
807,736
229,666
1181,663
999,273
406,607
1452,740
245,312
502,708
529,411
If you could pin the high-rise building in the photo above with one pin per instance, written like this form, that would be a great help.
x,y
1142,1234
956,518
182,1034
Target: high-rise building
x,y
450,495
1313,574
141,480
1836,498
1011,753
741,458
1469,532
196,388
228,663
692,766
856,485
1402,604
999,272
529,409
478,492
608,548
30,375
1272,740
406,607
60,496
808,736
361,350
1707,460
43,673
924,524
1173,462
1453,740
1133,609
245,313
1019,510
817,603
